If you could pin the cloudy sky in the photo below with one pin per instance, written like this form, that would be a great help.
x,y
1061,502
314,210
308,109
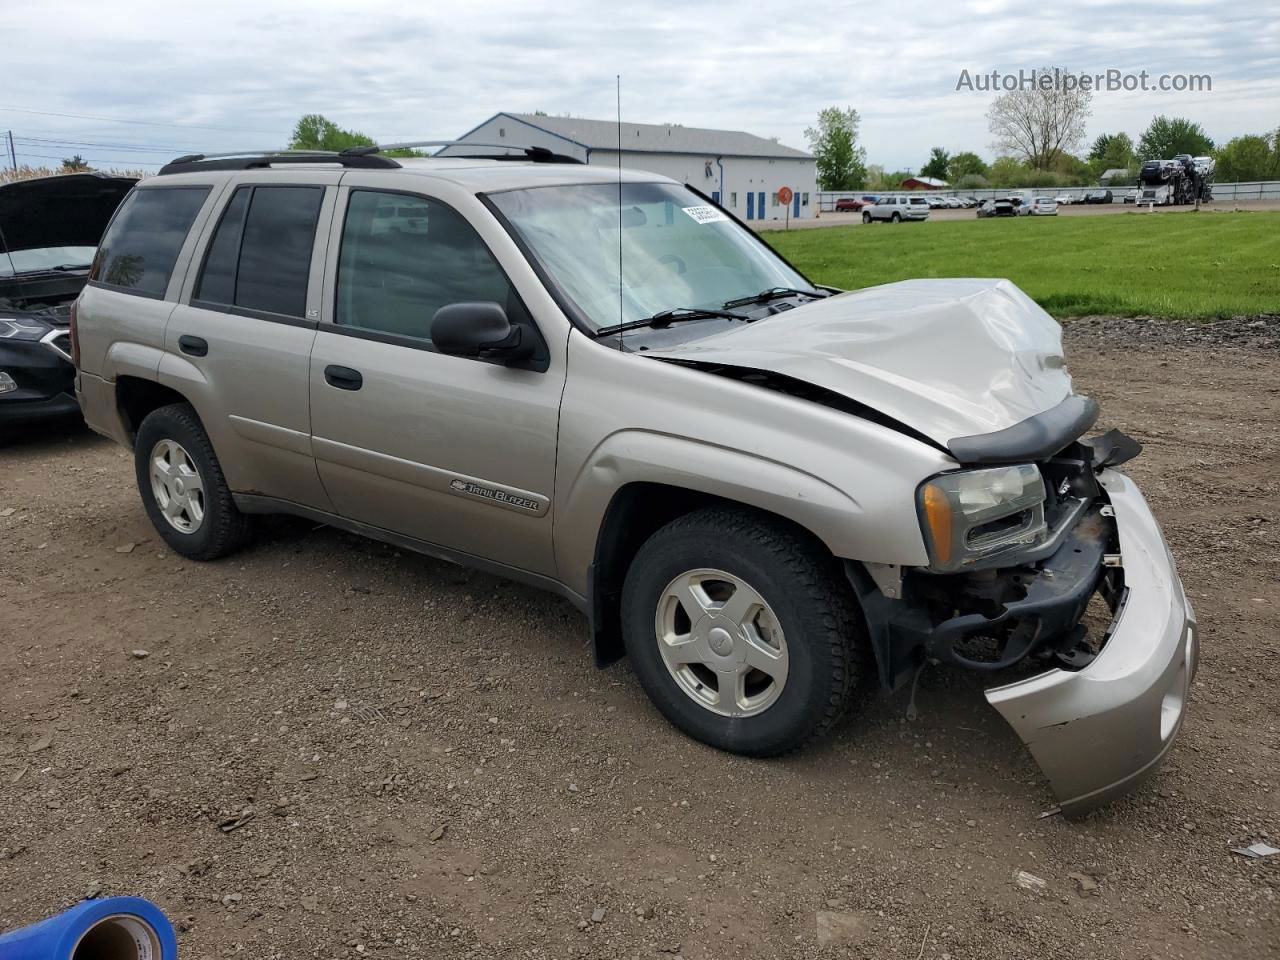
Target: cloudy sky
x,y
151,80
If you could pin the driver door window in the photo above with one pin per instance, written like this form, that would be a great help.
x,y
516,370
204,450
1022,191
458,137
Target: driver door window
x,y
404,257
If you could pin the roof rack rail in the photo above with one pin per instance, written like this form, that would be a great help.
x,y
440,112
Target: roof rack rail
x,y
535,154
252,159
362,157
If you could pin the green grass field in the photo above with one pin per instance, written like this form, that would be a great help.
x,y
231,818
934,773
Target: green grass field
x,y
1186,265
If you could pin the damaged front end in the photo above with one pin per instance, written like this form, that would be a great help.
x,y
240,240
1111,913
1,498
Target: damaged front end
x,y
1088,607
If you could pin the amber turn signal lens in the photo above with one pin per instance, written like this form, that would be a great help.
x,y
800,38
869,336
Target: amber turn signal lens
x,y
937,512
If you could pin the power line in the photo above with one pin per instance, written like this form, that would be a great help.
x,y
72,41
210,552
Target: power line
x,y
161,148
141,163
148,123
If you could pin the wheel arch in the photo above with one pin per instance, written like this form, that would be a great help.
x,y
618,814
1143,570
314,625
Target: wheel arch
x,y
636,511
138,396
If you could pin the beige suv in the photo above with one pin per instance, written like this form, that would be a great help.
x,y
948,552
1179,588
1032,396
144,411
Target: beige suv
x,y
771,495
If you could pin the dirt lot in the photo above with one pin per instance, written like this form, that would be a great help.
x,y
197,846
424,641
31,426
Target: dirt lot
x,y
424,763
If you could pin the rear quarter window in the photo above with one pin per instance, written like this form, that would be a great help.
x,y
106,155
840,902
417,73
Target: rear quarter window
x,y
141,245
260,257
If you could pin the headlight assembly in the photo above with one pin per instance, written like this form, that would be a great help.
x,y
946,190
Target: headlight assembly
x,y
22,329
975,518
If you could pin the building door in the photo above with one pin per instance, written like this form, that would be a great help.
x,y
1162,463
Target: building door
x,y
760,204
751,206
796,202
715,197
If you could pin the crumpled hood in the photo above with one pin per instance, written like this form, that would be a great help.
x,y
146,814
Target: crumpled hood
x,y
61,211
949,358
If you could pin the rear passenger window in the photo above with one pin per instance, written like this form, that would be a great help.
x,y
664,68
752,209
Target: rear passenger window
x,y
260,256
138,253
405,257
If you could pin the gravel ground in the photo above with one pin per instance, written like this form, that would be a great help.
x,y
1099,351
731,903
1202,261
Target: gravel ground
x,y
324,747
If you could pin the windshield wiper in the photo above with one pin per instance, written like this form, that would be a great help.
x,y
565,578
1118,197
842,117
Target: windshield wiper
x,y
776,293
664,318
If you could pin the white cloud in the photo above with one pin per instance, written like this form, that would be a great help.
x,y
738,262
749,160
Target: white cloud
x,y
397,72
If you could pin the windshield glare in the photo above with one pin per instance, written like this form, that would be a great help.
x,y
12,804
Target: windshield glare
x,y
677,250
47,258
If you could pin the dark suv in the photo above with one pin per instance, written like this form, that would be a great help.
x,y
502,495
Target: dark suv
x,y
49,231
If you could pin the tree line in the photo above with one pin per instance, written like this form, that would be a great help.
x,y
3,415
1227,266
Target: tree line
x,y
1039,137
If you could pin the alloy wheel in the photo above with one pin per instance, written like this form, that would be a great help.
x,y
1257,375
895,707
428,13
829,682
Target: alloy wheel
x,y
721,643
177,486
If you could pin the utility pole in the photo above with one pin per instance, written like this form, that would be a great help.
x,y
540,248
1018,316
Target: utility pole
x,y
13,155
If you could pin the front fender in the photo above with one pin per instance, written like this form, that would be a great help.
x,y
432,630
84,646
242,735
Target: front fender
x,y
643,456
626,419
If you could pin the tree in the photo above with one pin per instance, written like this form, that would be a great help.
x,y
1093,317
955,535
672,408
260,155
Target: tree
x,y
966,164
1007,172
1247,158
1169,136
1111,151
971,181
1110,147
314,131
76,164
1040,121
842,164
939,159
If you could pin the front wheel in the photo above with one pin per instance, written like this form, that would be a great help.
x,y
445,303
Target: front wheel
x,y
182,486
896,218
866,218
742,630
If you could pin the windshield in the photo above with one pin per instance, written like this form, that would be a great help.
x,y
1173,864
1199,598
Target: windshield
x,y
677,251
47,258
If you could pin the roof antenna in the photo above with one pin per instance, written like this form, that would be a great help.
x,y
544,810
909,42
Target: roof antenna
x,y
618,80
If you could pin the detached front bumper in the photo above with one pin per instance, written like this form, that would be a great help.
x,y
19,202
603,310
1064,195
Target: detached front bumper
x,y
1099,731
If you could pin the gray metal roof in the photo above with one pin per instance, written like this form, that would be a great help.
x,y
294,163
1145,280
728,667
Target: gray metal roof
x,y
658,137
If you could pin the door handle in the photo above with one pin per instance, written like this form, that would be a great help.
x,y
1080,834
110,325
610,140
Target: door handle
x,y
193,346
344,378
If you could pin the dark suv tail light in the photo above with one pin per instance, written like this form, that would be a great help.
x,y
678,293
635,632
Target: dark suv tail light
x,y
75,338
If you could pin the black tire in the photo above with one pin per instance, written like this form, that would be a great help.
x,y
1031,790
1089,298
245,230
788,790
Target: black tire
x,y
896,218
807,591
866,217
223,527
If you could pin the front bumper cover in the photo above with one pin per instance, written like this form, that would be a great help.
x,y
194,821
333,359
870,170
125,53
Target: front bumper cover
x,y
1098,732
45,381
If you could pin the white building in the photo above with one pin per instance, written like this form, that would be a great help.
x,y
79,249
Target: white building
x,y
740,171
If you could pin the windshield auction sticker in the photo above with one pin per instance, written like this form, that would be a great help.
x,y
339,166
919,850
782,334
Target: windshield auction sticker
x,y
705,214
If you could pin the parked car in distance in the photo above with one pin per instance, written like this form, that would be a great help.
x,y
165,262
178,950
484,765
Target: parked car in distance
x,y
1097,196
998,207
896,209
1131,196
1063,199
49,231
849,204
1039,207
893,476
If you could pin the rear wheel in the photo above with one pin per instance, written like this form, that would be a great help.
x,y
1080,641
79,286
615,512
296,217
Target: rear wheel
x,y
866,218
896,218
182,486
742,630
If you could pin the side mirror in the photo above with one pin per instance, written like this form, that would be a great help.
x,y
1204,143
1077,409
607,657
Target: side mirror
x,y
481,330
